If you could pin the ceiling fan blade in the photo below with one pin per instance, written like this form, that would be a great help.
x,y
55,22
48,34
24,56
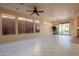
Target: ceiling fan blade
x,y
32,13
29,10
40,11
37,13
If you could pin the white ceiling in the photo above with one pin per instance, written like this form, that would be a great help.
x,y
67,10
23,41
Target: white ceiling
x,y
52,11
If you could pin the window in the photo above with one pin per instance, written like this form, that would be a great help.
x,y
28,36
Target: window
x,y
21,25
37,26
29,26
8,24
25,25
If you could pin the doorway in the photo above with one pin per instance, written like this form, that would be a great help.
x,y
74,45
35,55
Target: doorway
x,y
63,28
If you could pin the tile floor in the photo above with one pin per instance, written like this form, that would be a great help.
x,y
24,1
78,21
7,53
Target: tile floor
x,y
58,45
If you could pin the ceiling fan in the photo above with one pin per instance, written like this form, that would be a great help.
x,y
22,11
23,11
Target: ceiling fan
x,y
35,11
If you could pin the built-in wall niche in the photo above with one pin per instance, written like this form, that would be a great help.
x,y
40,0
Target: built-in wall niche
x,y
25,25
8,24
37,26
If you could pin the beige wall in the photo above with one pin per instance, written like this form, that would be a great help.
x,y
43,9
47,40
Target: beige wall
x,y
73,27
44,28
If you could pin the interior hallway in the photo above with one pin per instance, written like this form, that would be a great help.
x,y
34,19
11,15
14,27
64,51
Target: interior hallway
x,y
44,46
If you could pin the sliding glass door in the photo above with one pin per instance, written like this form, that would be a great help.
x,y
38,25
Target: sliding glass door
x,y
63,28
